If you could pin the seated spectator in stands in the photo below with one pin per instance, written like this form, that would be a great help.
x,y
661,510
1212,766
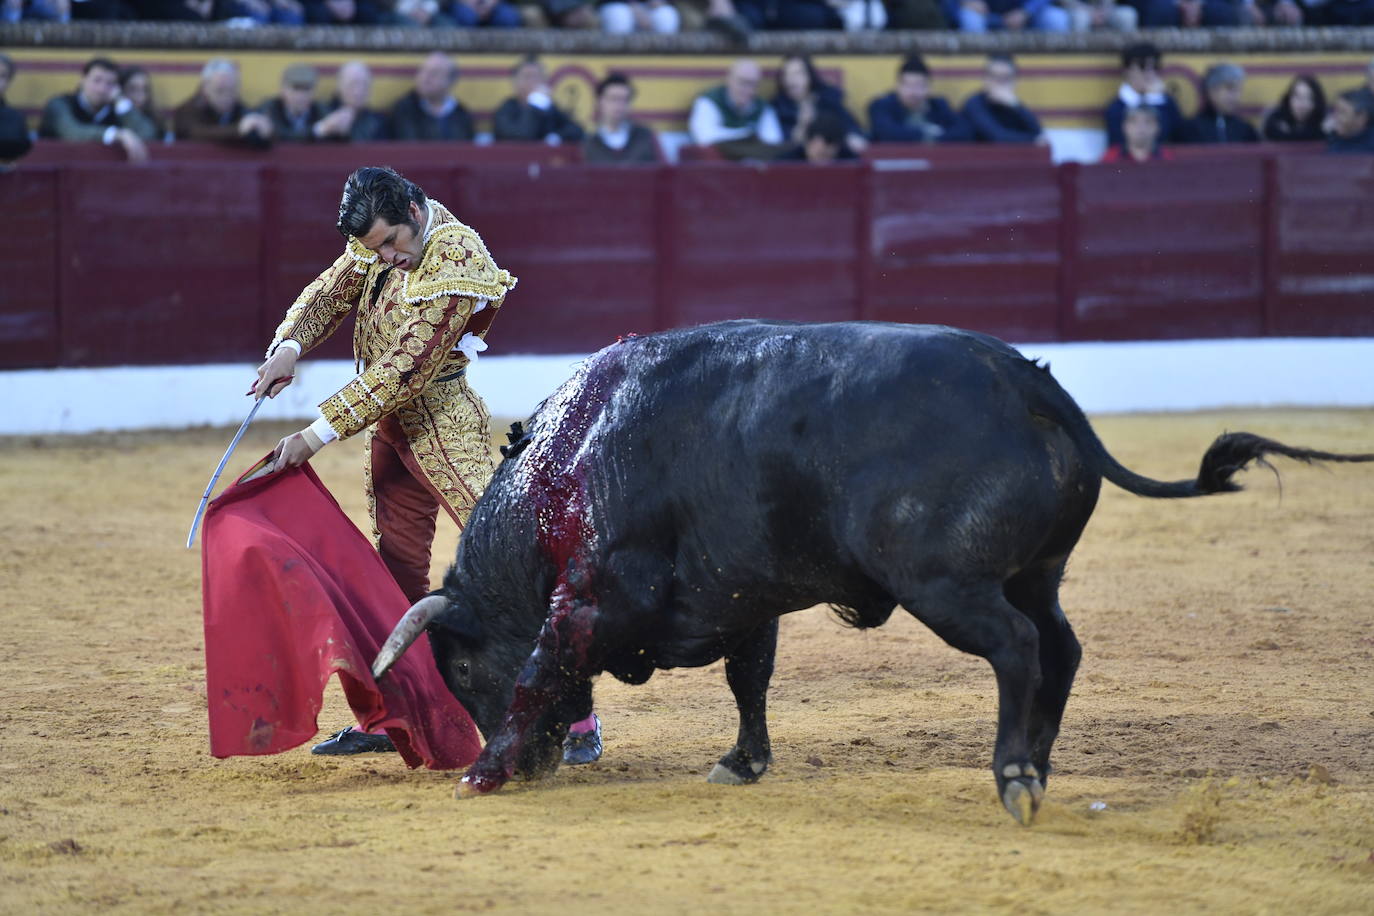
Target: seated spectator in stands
x,y
95,112
621,17
996,115
1142,85
186,10
802,95
1343,12
1352,121
492,14
530,115
910,114
1275,12
216,114
350,117
295,115
1190,14
267,12
1216,120
1141,144
137,86
14,133
1007,15
429,111
734,119
571,14
1300,113
1090,15
823,142
422,14
614,137
343,12
36,11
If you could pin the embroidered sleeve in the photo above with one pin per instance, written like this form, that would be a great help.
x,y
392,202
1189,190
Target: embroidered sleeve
x,y
322,306
423,346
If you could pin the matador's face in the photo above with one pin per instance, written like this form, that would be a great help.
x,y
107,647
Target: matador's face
x,y
398,244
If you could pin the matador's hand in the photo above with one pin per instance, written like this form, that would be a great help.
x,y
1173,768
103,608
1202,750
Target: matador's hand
x,y
295,450
275,374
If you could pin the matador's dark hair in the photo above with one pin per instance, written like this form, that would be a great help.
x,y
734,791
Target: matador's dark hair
x,y
374,192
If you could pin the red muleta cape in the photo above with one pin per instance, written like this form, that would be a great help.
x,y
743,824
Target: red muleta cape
x,y
293,593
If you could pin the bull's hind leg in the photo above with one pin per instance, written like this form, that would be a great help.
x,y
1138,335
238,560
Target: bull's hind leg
x,y
1035,593
976,618
748,669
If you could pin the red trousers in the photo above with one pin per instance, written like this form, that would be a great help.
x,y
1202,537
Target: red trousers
x,y
407,505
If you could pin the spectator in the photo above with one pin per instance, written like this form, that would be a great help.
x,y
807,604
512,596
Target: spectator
x,y
1351,116
493,14
621,17
14,133
734,119
823,143
1189,14
35,10
1345,12
216,114
186,10
531,115
343,12
1300,113
1141,129
910,114
295,115
429,111
571,14
1142,85
267,12
802,95
1276,12
787,15
905,15
95,112
996,115
1088,15
1216,120
421,14
1007,15
137,86
350,116
615,138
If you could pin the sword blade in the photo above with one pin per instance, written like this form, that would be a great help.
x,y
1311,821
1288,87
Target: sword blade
x,y
219,469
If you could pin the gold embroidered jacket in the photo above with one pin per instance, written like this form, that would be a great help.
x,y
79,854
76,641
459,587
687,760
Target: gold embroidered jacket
x,y
406,331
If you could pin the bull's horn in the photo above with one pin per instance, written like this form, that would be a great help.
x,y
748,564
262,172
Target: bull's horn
x,y
407,631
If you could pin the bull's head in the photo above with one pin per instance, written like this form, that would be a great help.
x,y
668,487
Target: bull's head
x,y
480,669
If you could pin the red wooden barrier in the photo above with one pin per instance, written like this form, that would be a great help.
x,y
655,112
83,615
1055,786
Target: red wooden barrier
x,y
196,261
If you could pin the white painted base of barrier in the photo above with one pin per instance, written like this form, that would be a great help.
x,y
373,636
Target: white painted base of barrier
x,y
1103,377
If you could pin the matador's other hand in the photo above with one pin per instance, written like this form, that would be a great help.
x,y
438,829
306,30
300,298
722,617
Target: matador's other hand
x,y
275,374
295,450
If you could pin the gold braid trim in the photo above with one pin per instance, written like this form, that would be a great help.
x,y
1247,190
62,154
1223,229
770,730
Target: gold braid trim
x,y
456,263
363,256
321,307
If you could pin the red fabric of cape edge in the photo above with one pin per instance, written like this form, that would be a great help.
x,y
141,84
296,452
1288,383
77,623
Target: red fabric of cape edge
x,y
294,592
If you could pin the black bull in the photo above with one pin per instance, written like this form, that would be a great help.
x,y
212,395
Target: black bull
x,y
667,504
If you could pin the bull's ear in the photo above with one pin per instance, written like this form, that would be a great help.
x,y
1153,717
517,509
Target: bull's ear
x,y
462,625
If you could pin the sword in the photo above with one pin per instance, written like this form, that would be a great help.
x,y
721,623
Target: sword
x,y
219,469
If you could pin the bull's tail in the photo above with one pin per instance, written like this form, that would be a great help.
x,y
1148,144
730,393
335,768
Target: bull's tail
x,y
1230,453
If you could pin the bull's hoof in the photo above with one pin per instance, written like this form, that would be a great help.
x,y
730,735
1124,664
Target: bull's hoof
x,y
1022,792
471,786
736,769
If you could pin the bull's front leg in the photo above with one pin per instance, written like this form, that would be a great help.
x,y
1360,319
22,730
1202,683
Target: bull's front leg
x,y
559,667
748,670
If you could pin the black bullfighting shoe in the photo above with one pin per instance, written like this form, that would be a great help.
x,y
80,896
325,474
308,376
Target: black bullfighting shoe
x,y
583,747
352,741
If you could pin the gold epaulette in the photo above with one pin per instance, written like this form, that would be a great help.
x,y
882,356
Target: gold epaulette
x,y
456,263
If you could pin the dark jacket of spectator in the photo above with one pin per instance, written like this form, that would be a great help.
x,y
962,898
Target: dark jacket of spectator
x,y
1280,127
67,118
516,120
14,133
368,125
1170,117
1360,143
318,12
410,120
827,99
639,146
993,122
1210,126
195,119
287,129
890,121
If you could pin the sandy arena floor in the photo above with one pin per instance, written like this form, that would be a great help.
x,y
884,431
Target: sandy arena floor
x,y
1224,715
